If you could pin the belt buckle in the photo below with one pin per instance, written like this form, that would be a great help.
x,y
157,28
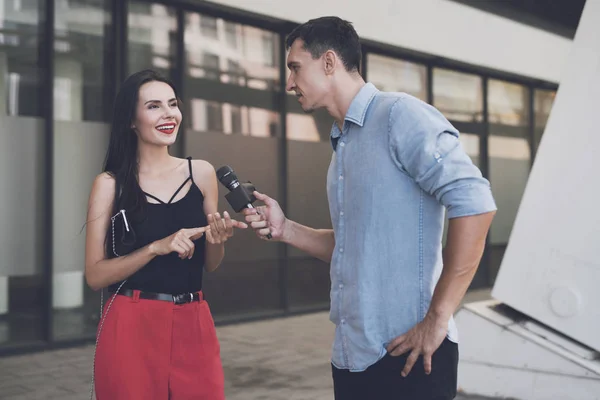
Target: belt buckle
x,y
183,298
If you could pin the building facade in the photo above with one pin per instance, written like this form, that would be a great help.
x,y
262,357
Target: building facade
x,y
61,62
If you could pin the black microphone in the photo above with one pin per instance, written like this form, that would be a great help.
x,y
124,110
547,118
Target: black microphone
x,y
240,195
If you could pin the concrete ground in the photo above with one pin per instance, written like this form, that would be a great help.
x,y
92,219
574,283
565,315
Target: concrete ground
x,y
286,358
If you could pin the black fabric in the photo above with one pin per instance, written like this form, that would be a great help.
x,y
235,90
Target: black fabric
x,y
167,274
382,380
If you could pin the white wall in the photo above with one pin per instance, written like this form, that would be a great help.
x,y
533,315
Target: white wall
x,y
439,27
551,267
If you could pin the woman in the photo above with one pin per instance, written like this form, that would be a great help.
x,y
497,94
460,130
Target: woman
x,y
152,227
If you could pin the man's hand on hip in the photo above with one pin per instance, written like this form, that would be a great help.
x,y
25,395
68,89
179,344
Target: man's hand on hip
x,y
423,339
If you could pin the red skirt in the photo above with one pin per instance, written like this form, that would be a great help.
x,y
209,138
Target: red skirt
x,y
154,349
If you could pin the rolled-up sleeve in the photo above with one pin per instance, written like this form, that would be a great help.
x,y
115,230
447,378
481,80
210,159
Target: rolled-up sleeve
x,y
427,147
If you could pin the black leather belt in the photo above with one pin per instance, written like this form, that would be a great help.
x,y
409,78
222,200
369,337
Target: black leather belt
x,y
175,298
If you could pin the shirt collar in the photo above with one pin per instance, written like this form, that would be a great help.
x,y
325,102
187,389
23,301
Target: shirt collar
x,y
357,110
360,104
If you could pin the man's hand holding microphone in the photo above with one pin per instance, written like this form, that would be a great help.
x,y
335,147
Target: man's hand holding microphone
x,y
240,198
270,223
267,219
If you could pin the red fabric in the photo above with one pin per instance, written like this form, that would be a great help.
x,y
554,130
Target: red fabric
x,y
153,349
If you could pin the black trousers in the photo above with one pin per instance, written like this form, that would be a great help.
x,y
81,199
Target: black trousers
x,y
382,380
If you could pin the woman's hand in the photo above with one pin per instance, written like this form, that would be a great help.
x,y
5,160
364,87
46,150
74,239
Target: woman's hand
x,y
221,229
180,242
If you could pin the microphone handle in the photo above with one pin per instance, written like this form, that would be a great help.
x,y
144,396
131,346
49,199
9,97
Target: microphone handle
x,y
258,212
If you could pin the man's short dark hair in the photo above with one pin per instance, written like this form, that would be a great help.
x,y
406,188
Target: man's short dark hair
x,y
329,33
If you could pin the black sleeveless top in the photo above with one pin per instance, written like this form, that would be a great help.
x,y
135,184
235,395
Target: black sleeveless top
x,y
168,273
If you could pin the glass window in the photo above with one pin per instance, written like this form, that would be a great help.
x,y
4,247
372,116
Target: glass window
x,y
20,79
509,160
542,105
79,86
234,118
22,164
231,34
458,95
308,159
228,84
508,103
509,163
543,101
393,75
270,50
79,148
151,37
211,66
208,27
313,127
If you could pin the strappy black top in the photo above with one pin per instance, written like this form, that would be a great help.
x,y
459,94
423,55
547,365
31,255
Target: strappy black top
x,y
169,273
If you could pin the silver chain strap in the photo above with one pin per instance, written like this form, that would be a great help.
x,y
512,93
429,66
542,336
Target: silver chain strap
x,y
102,313
112,222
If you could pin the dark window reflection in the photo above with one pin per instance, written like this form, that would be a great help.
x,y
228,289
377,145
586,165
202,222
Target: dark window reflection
x,y
458,95
152,32
22,195
20,74
79,64
542,105
393,75
231,77
509,160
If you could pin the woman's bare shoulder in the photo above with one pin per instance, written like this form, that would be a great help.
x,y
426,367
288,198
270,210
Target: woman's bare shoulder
x,y
203,169
103,186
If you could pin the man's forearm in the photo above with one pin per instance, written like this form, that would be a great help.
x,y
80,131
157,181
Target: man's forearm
x,y
462,254
318,243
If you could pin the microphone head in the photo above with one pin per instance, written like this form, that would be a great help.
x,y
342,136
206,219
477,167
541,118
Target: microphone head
x,y
227,177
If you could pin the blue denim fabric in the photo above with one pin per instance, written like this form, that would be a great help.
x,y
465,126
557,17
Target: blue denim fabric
x,y
397,165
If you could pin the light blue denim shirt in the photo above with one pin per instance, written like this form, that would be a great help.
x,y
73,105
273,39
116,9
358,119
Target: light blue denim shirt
x,y
397,164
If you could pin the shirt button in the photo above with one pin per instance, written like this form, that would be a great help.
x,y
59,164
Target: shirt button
x,y
341,213
341,285
342,144
341,177
343,321
341,250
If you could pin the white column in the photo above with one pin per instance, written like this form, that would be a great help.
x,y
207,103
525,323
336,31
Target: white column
x,y
551,269
67,289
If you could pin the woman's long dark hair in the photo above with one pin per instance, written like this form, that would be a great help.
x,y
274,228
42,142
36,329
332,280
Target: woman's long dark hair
x,y
121,160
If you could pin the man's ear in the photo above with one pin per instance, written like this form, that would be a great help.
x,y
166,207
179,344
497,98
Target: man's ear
x,y
330,61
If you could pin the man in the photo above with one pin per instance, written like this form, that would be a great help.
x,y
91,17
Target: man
x,y
396,164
